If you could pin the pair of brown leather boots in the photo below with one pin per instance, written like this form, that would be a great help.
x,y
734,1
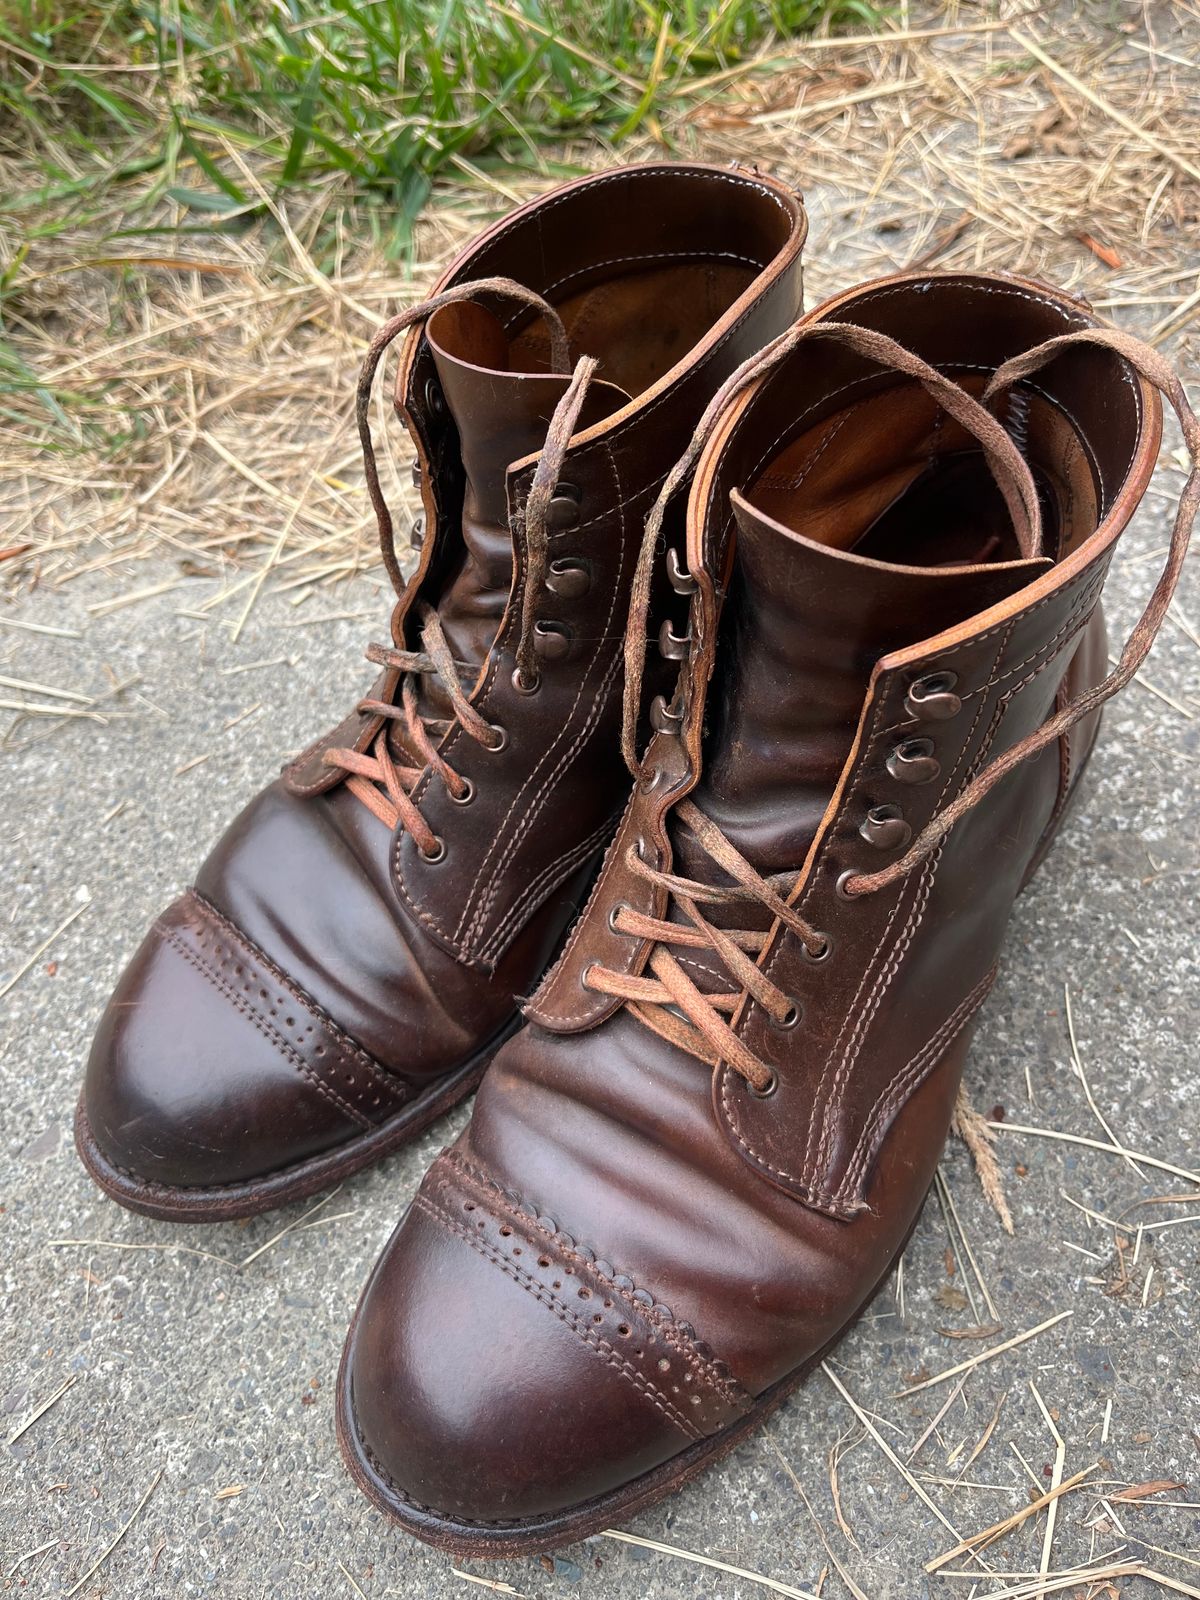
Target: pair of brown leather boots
x,y
831,588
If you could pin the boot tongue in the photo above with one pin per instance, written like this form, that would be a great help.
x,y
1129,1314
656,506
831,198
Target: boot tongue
x,y
802,629
501,414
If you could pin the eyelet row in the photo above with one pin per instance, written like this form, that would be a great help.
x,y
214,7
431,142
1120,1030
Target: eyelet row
x,y
913,761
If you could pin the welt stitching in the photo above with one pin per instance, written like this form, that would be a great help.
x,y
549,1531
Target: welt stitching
x,y
348,1046
268,1031
704,1368
597,1347
538,798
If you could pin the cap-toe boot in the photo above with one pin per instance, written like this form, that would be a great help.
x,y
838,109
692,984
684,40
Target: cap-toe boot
x,y
348,959
701,1158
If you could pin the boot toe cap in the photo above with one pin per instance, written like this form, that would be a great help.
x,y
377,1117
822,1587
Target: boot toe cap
x,y
499,1376
193,1081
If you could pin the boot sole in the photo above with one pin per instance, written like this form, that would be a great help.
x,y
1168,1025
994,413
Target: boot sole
x,y
227,1202
532,1536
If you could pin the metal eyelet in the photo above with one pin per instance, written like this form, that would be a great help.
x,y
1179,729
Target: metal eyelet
x,y
563,511
650,781
438,853
665,718
821,953
501,738
468,794
551,640
523,687
681,580
789,1019
884,828
672,646
434,398
569,578
416,473
768,1088
913,761
840,887
931,698
614,914
416,533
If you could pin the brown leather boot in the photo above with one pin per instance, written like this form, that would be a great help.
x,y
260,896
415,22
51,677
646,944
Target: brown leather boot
x,y
692,1171
347,962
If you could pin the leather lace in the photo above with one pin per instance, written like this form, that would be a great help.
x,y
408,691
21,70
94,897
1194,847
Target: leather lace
x,y
669,1001
383,784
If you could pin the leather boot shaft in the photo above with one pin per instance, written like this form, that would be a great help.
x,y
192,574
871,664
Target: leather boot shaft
x,y
354,948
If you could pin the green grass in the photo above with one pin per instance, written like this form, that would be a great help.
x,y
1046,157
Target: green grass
x,y
388,95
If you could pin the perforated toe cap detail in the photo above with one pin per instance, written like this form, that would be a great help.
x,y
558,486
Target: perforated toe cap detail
x,y
503,1371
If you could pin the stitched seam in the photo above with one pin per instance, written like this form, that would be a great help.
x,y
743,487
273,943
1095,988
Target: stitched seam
x,y
596,1346
908,1080
642,493
457,938
706,356
921,896
638,420
1078,618
544,884
658,255
552,973
893,1096
1053,649
599,704
268,1031
795,225
867,1015
539,797
708,1369
1011,291
347,1045
542,208
535,799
